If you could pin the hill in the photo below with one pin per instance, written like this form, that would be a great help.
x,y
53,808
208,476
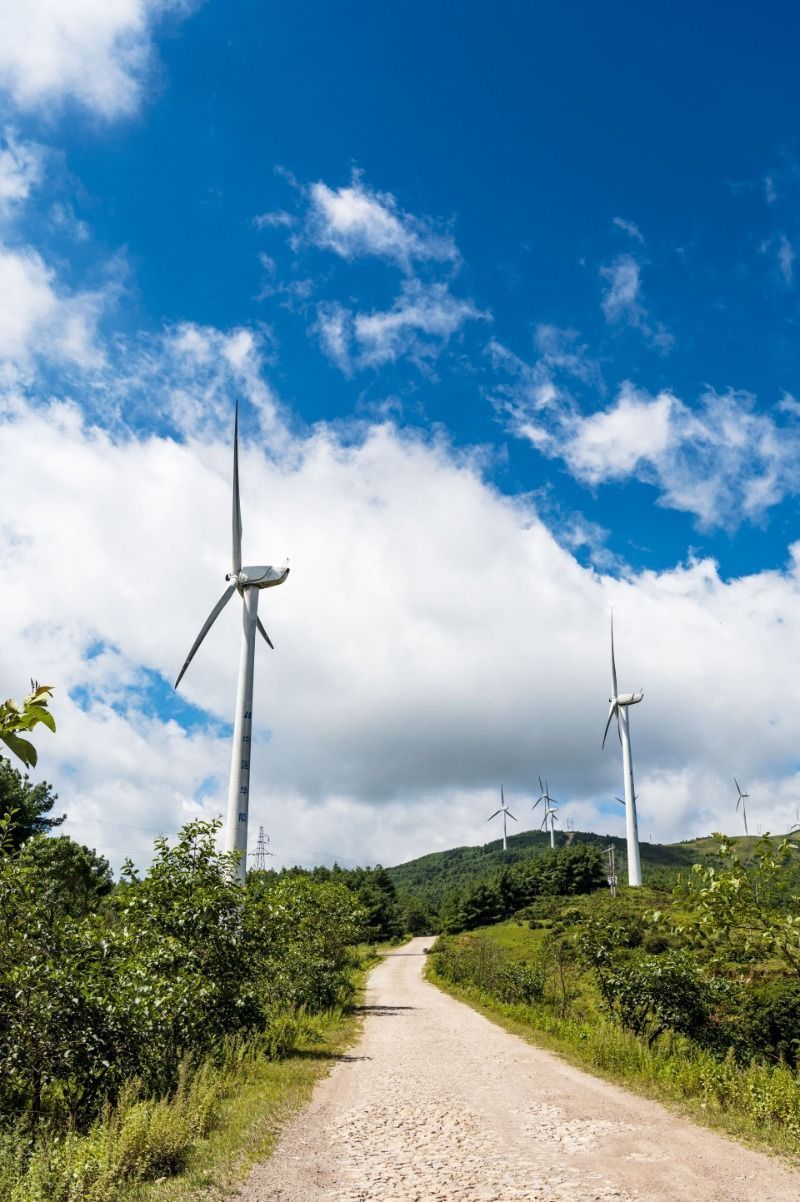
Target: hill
x,y
431,877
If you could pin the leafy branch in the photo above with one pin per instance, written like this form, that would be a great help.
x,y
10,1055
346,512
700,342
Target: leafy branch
x,y
18,718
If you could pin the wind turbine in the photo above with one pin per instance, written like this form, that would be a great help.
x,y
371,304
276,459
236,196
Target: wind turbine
x,y
248,582
549,810
740,802
503,810
620,703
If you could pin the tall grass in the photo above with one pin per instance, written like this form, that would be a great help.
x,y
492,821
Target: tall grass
x,y
142,1139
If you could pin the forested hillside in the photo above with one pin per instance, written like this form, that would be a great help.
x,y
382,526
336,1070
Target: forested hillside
x,y
450,887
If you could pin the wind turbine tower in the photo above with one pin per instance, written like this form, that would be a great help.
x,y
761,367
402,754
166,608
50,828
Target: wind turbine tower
x,y
620,704
550,810
248,582
503,810
740,802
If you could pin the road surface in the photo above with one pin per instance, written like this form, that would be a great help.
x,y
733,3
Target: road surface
x,y
437,1104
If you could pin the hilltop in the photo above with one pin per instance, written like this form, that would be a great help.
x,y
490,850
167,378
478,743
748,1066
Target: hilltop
x,y
431,877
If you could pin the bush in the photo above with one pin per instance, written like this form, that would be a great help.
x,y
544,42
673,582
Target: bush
x,y
654,994
768,1022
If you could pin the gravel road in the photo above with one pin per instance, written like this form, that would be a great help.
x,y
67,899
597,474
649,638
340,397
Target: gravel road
x,y
436,1104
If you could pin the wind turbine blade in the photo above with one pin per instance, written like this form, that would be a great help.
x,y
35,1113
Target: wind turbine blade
x,y
237,508
511,815
209,622
541,787
264,633
613,660
494,815
540,799
738,786
610,715
502,798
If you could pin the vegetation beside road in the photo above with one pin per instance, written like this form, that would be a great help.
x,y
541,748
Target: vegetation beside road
x,y
692,997
131,1012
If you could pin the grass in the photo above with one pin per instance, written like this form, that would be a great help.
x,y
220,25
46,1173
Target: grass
x,y
758,1104
251,1119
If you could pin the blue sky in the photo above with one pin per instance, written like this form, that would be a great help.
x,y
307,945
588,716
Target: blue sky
x,y
554,146
546,252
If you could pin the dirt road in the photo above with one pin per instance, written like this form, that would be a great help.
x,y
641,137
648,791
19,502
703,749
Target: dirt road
x,y
436,1104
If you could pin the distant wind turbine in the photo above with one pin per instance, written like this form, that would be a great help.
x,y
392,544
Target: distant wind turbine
x,y
550,810
503,810
740,802
248,582
620,702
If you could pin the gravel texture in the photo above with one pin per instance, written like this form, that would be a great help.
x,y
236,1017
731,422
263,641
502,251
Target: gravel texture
x,y
437,1104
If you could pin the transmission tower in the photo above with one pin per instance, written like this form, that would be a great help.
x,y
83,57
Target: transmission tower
x,y
262,851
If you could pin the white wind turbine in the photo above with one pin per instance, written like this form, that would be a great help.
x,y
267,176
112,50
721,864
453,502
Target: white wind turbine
x,y
248,582
550,810
740,802
620,702
503,810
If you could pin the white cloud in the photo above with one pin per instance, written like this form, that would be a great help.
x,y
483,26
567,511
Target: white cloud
x,y
611,443
188,374
786,258
630,228
354,221
41,319
418,326
21,166
622,301
432,639
276,219
99,55
335,329
723,462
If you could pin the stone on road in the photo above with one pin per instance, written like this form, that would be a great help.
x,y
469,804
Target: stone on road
x,y
437,1104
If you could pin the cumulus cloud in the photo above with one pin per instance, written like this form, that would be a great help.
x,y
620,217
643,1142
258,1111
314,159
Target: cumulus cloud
x,y
96,54
622,301
418,325
433,639
355,220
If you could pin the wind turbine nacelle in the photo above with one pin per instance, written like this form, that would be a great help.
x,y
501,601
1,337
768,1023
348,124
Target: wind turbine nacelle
x,y
629,698
259,577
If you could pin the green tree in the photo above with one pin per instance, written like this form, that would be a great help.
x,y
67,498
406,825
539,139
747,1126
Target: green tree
x,y
377,897
416,917
482,905
27,805
741,911
71,879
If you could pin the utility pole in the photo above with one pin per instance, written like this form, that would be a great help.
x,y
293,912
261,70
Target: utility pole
x,y
262,851
612,873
